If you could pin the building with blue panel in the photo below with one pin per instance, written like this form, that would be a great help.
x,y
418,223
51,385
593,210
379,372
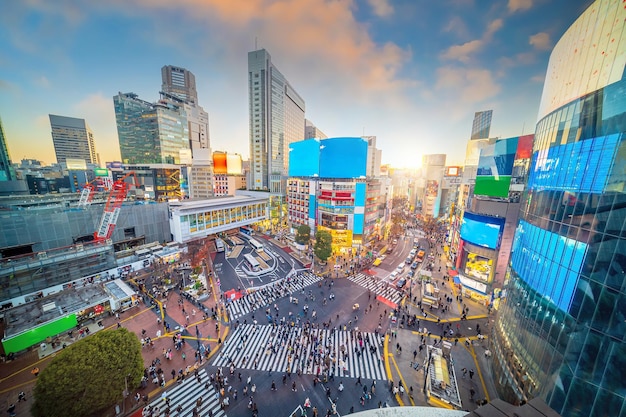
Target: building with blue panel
x,y
561,331
328,190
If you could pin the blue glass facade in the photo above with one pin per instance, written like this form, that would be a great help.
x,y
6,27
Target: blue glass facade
x,y
561,333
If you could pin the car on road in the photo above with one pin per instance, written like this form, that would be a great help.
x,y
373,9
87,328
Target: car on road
x,y
400,268
401,282
410,274
408,260
393,275
414,265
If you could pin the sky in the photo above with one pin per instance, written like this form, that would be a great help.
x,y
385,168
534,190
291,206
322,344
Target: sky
x,y
410,72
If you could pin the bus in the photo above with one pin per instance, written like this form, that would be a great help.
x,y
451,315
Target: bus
x,y
245,230
256,245
252,263
219,244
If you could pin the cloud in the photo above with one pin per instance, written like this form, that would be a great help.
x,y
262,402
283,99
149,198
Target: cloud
x,y
42,82
540,78
350,61
462,52
541,41
457,26
492,28
469,85
381,8
519,5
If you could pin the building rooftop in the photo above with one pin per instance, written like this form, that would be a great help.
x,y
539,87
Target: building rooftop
x,y
72,299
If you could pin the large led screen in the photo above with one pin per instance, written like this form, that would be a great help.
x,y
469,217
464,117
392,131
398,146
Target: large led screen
x,y
219,163
495,165
481,230
582,167
304,158
478,267
549,263
343,158
233,164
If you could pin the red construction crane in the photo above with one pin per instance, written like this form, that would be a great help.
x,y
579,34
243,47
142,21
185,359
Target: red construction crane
x,y
119,191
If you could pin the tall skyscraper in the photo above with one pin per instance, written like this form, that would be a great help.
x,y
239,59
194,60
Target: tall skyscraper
x,y
179,82
276,121
481,125
6,172
561,331
72,139
179,85
151,133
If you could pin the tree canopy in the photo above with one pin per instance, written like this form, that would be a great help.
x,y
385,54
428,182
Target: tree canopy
x,y
303,234
89,376
323,245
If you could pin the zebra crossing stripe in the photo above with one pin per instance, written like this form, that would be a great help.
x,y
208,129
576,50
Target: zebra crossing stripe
x,y
186,394
379,288
268,347
258,299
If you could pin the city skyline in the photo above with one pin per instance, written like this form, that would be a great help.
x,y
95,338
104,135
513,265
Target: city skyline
x,y
413,77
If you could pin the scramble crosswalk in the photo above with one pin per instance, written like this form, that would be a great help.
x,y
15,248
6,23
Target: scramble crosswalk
x,y
269,294
378,287
291,348
186,395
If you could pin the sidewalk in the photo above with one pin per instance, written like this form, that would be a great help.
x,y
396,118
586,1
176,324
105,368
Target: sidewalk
x,y
469,356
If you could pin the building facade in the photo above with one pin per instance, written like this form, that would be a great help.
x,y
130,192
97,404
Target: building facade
x,y
561,332
311,131
326,192
198,219
6,171
179,82
151,133
276,120
481,124
72,139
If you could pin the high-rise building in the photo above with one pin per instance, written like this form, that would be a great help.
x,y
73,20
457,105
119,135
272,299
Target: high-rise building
x,y
311,131
482,124
560,332
276,121
72,139
151,133
6,172
179,85
179,82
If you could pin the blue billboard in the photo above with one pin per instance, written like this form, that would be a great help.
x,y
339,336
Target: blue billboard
x,y
343,158
304,158
549,263
583,166
481,230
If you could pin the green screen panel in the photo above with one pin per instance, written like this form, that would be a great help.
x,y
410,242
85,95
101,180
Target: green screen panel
x,y
39,334
491,186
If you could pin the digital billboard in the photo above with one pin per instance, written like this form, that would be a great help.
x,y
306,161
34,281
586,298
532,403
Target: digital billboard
x,y
219,163
343,158
580,167
233,164
478,267
481,230
495,166
549,263
304,158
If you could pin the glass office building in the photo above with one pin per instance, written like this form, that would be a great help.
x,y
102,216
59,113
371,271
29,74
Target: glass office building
x,y
150,133
561,333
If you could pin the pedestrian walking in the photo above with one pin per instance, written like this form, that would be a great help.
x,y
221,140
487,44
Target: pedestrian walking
x,y
471,373
358,381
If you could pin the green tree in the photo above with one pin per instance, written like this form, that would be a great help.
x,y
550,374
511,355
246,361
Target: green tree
x,y
89,376
303,234
323,245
